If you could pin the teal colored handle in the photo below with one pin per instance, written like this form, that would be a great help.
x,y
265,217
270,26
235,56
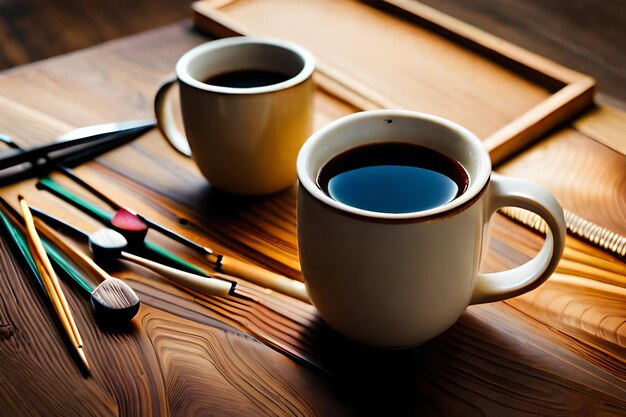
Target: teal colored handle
x,y
155,251
48,184
22,245
65,265
60,261
150,250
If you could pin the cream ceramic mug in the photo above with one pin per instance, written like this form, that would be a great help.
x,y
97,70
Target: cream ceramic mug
x,y
245,140
398,280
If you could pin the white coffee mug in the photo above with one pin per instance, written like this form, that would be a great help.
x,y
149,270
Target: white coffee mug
x,y
398,280
245,140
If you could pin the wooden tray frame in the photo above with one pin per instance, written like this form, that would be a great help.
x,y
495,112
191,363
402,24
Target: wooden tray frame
x,y
571,91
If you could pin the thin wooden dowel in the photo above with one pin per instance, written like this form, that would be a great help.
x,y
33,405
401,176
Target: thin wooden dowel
x,y
77,256
51,283
577,256
185,280
45,268
54,298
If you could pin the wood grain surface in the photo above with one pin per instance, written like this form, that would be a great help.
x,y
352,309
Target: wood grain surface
x,y
556,351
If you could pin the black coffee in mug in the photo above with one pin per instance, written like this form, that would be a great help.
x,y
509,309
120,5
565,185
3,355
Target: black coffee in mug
x,y
393,177
246,78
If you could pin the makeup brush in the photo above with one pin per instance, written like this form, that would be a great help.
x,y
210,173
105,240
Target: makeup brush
x,y
106,298
109,244
148,249
128,223
113,301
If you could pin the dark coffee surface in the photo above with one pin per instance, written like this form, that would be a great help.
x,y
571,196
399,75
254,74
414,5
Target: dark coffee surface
x,y
246,79
393,178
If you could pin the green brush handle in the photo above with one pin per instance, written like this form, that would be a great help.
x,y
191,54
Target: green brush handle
x,y
65,265
56,257
22,245
149,250
48,184
153,251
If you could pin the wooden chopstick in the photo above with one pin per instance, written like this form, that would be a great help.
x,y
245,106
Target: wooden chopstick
x,y
51,283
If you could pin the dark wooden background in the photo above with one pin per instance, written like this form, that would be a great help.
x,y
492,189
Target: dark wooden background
x,y
586,35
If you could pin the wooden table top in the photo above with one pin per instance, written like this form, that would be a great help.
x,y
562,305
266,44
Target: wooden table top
x,y
559,350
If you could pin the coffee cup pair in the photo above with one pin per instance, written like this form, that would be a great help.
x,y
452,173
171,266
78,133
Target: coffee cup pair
x,y
385,265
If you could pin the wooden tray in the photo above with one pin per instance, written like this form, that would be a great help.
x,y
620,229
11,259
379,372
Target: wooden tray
x,y
506,95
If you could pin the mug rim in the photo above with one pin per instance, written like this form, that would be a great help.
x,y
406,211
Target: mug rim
x,y
475,189
304,74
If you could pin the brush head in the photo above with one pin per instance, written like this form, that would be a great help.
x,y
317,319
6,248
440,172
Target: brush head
x,y
107,244
130,225
114,301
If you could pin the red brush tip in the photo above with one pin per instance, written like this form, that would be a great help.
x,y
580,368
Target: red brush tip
x,y
125,220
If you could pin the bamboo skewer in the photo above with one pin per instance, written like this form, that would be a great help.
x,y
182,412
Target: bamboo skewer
x,y
51,283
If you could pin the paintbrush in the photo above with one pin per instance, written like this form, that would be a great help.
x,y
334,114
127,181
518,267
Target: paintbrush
x,y
134,227
145,248
113,301
109,244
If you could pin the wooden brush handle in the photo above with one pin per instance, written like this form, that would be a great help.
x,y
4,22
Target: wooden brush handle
x,y
204,285
265,278
82,260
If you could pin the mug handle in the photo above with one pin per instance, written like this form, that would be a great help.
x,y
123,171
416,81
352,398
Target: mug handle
x,y
164,112
504,192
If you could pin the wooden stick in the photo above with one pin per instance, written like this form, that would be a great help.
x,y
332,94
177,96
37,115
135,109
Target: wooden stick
x,y
185,280
51,283
56,302
264,278
45,268
77,256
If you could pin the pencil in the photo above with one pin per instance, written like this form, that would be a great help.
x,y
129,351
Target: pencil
x,y
51,283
